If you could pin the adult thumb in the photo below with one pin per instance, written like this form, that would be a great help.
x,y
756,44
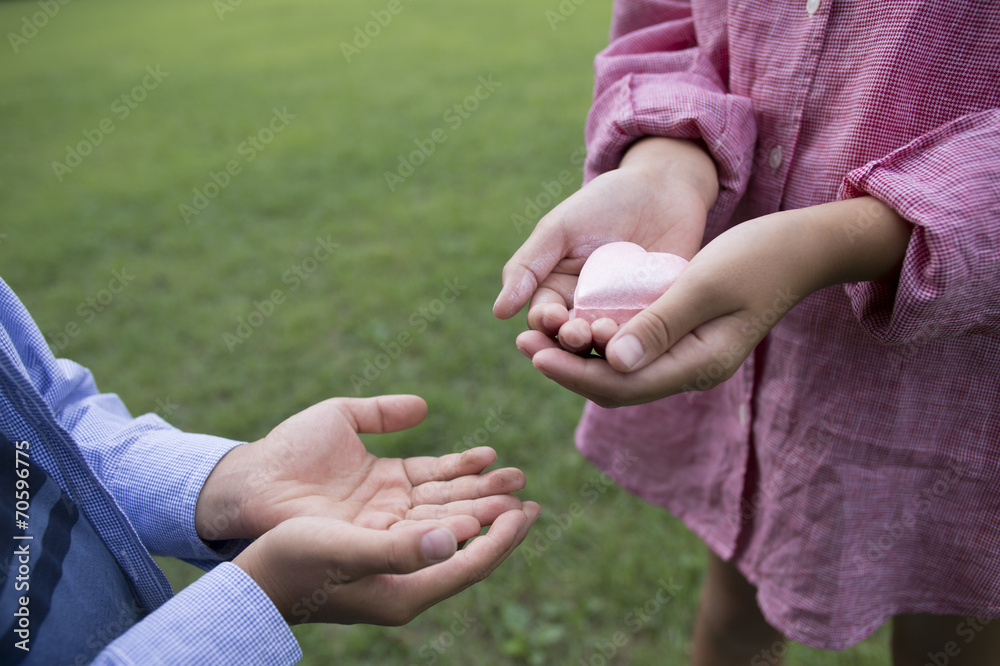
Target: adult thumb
x,y
405,550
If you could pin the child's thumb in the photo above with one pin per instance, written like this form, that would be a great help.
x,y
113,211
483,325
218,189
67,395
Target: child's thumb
x,y
649,334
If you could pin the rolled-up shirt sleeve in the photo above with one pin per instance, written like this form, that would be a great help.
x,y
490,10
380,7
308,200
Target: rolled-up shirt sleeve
x,y
947,184
656,79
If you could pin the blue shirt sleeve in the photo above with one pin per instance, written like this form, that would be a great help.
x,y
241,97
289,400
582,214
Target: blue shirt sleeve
x,y
222,618
154,471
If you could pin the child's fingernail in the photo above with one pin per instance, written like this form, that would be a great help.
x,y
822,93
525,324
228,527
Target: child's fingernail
x,y
522,292
438,545
629,351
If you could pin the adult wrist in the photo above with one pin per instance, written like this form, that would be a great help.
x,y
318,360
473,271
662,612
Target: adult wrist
x,y
218,515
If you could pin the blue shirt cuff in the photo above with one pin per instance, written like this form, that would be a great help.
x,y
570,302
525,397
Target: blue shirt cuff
x,y
222,618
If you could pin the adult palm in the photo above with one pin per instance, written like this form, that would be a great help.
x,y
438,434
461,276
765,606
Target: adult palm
x,y
315,465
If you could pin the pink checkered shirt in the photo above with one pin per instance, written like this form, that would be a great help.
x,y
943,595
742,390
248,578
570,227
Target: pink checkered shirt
x,y
851,466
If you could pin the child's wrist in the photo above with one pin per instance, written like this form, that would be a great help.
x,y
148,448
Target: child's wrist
x,y
667,162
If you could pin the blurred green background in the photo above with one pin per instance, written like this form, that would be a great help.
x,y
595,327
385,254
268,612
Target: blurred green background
x,y
166,168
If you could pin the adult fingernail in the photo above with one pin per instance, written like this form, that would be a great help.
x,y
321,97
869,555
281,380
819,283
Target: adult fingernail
x,y
438,545
629,351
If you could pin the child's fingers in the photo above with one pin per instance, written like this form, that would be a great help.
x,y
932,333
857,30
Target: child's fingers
x,y
602,331
529,268
592,378
550,304
575,336
698,361
689,303
532,342
547,314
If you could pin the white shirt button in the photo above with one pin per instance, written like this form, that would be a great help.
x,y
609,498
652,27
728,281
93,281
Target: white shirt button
x,y
743,414
812,6
774,159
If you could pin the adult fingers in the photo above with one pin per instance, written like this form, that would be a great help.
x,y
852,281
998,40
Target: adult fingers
x,y
496,482
395,600
465,469
477,560
485,510
359,551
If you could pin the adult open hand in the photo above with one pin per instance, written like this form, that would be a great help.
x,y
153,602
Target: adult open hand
x,y
314,464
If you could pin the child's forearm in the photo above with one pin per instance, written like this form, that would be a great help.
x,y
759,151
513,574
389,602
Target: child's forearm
x,y
861,239
855,239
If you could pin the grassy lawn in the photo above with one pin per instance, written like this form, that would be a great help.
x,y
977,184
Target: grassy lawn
x,y
229,215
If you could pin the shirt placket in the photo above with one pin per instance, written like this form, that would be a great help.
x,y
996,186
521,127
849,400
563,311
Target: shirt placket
x,y
780,121
778,132
78,481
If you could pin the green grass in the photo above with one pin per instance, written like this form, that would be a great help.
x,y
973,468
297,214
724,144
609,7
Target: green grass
x,y
161,341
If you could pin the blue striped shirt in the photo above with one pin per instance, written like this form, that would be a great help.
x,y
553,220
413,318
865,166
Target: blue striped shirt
x,y
137,481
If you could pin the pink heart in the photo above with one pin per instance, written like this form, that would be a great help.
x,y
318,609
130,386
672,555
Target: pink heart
x,y
621,279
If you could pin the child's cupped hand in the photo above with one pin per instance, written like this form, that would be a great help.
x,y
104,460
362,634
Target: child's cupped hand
x,y
659,198
727,299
